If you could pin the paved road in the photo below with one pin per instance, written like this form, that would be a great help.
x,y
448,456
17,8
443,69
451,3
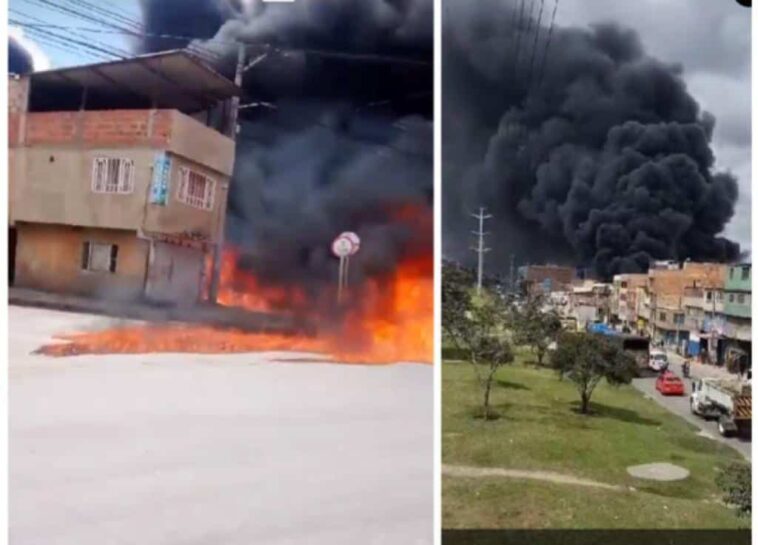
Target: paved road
x,y
681,406
235,449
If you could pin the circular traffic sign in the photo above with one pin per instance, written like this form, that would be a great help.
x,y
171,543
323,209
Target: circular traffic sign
x,y
354,240
342,247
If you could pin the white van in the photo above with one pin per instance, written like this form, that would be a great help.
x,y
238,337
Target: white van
x,y
658,361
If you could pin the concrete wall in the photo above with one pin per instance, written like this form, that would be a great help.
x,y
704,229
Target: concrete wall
x,y
735,280
178,219
54,186
49,257
50,169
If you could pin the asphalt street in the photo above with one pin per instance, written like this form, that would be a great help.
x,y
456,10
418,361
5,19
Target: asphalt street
x,y
680,405
169,449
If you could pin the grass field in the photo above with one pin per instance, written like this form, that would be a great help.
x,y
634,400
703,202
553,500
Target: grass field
x,y
539,430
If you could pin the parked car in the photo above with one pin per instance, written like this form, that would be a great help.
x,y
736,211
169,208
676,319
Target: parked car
x,y
658,361
669,384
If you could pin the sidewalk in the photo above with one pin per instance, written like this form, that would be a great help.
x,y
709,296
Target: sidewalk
x,y
702,370
144,311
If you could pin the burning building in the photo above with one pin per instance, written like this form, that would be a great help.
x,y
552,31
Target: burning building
x,y
335,134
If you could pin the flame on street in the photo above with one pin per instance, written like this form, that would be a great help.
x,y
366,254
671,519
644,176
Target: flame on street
x,y
389,319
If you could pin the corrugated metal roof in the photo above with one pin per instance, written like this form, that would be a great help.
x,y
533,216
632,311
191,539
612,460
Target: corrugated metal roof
x,y
170,79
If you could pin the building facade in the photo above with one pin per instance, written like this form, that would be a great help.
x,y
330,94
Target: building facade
x,y
122,194
737,322
545,279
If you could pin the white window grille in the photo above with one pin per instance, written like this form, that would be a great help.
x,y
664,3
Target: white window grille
x,y
112,175
99,257
196,189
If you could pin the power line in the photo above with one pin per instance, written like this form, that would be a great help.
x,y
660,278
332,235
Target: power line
x,y
547,44
517,30
125,19
75,13
536,43
87,45
64,45
32,27
368,57
530,20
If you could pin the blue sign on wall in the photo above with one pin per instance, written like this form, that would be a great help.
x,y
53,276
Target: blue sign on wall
x,y
161,177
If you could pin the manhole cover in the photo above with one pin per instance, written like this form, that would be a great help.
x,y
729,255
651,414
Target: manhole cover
x,y
658,472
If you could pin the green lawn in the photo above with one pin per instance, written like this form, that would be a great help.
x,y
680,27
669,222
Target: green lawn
x,y
538,429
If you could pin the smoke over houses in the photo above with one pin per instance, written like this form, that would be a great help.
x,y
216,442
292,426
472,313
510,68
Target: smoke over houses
x,y
337,134
585,148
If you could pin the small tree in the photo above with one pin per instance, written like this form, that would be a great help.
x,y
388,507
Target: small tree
x,y
457,285
536,327
736,483
585,359
483,335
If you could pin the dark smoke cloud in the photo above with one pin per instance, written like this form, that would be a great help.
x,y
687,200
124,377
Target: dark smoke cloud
x,y
19,59
344,144
594,154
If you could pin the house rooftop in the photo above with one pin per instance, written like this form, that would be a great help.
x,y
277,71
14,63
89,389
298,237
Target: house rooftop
x,y
174,79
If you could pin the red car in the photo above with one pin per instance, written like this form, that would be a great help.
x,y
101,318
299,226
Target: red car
x,y
669,384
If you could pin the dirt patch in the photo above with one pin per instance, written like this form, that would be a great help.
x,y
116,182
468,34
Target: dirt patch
x,y
547,476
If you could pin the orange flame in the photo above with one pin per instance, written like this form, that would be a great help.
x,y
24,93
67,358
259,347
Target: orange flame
x,y
389,319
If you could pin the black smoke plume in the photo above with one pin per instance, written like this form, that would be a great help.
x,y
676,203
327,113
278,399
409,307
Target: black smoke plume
x,y
19,59
584,148
328,142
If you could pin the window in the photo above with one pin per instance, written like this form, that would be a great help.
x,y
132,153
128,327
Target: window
x,y
731,298
112,175
662,316
746,273
195,189
709,296
679,319
741,298
99,257
623,284
731,274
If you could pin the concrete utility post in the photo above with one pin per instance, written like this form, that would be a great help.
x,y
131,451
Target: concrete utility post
x,y
480,248
231,132
512,276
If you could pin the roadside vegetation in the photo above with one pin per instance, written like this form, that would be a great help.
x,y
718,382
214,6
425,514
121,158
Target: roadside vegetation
x,y
534,421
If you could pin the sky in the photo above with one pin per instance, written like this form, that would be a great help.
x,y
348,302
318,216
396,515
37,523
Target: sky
x,y
711,41
49,53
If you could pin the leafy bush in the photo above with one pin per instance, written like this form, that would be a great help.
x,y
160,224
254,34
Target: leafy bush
x,y
736,482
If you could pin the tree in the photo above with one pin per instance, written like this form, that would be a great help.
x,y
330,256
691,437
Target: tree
x,y
457,285
736,483
536,327
586,358
483,335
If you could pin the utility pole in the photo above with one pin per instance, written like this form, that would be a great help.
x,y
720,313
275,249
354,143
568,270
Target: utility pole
x,y
712,348
512,276
231,132
480,248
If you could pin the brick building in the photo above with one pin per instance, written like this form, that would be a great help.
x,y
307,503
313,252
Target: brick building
x,y
118,174
544,279
624,299
737,323
667,292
